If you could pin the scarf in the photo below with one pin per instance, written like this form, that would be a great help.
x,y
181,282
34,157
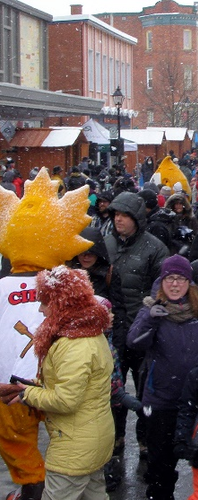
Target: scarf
x,y
177,312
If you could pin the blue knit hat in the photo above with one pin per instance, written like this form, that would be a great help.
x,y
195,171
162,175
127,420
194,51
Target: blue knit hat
x,y
176,265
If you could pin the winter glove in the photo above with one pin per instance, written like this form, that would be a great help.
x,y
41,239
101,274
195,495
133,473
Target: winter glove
x,y
8,392
158,310
181,450
125,399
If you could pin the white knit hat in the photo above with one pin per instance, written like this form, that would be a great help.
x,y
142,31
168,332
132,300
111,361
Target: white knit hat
x,y
177,187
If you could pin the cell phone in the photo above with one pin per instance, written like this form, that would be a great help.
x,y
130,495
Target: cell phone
x,y
14,379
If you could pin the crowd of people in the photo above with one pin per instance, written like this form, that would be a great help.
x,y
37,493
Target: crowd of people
x,y
137,285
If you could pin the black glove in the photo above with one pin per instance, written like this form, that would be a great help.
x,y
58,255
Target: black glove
x,y
181,450
125,399
158,310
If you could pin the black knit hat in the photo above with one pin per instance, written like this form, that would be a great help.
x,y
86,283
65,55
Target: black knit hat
x,y
149,197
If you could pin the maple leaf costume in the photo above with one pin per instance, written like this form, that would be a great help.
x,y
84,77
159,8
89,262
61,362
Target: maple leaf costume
x,y
37,232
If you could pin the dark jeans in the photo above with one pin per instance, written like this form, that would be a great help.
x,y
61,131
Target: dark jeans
x,y
132,361
161,475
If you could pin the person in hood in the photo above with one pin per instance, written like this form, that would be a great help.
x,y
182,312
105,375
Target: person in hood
x,y
184,221
102,219
7,180
166,327
137,256
105,280
160,221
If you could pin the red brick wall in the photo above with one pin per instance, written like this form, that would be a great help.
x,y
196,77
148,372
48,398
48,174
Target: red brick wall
x,y
65,57
167,39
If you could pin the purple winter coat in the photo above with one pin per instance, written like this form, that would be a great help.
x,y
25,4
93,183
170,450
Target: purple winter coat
x,y
172,351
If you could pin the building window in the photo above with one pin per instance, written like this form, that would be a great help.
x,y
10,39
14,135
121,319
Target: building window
x,y
128,80
149,40
44,42
9,45
117,73
90,70
111,76
104,74
123,78
98,72
187,39
150,117
187,77
149,78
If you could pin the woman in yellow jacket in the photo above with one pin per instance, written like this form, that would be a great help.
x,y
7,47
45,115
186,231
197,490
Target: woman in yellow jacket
x,y
76,366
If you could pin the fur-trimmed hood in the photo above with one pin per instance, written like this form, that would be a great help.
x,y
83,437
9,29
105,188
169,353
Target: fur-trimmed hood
x,y
74,311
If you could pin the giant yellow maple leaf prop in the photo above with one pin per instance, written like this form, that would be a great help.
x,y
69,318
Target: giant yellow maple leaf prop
x,y
40,230
170,174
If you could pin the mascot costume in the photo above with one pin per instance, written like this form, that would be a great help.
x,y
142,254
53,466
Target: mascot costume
x,y
38,232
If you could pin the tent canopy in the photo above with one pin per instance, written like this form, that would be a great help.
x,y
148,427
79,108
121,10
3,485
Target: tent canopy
x,y
94,132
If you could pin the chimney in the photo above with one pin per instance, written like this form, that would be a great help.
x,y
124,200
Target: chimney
x,y
76,9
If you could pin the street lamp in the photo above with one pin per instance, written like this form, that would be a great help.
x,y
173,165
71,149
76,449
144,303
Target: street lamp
x,y
118,101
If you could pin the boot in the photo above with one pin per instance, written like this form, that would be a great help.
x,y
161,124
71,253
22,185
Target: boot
x,y
32,491
14,495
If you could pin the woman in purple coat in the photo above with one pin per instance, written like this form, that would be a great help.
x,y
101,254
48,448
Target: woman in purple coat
x,y
167,328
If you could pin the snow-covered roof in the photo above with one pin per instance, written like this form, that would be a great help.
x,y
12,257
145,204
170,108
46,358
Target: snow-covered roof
x,y
100,24
61,137
172,133
143,136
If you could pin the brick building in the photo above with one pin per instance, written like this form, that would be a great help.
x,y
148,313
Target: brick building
x,y
90,58
165,62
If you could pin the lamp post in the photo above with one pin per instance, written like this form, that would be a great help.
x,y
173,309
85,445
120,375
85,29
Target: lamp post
x,y
118,101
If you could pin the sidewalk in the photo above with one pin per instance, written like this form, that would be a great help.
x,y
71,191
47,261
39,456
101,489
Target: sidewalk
x,y
132,486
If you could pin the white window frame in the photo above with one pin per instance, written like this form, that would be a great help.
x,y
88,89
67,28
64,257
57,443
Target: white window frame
x,y
104,74
123,78
117,73
111,75
188,75
90,70
149,40
128,76
187,39
98,71
149,78
150,117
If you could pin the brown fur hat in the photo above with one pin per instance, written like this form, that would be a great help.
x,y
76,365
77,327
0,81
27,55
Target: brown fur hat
x,y
74,312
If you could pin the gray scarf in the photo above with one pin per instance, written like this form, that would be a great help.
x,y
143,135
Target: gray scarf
x,y
178,312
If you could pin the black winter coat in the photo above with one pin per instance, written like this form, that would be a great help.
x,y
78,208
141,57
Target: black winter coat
x,y
106,282
138,259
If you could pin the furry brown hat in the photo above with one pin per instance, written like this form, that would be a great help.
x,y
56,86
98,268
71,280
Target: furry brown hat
x,y
74,312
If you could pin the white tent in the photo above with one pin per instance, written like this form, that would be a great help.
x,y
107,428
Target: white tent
x,y
94,132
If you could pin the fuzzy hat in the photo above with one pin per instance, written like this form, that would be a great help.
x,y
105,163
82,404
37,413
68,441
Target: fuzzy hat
x,y
74,311
165,191
105,302
177,187
33,173
176,265
149,197
152,186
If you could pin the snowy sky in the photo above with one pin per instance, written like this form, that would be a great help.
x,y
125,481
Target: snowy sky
x,y
62,7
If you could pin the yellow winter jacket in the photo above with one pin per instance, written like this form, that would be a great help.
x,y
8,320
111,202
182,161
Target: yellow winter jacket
x,y
76,401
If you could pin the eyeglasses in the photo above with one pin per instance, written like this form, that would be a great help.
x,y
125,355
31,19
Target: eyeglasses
x,y
180,279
